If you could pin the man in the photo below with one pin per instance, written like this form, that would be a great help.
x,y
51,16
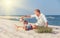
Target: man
x,y
41,19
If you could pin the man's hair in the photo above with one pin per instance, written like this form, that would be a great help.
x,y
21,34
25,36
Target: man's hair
x,y
37,10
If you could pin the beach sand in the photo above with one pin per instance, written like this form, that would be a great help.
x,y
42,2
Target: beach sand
x,y
8,30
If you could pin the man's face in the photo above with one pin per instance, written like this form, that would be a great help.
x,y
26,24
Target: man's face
x,y
36,13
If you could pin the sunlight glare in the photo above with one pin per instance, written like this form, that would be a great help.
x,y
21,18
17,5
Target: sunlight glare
x,y
7,5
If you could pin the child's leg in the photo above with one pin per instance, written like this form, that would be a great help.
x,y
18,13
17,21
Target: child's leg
x,y
34,26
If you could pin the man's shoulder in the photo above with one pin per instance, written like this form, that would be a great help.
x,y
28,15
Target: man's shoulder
x,y
42,14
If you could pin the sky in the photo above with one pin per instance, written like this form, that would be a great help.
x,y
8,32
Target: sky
x,y
27,7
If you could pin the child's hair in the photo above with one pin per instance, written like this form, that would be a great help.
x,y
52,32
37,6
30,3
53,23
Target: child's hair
x,y
25,22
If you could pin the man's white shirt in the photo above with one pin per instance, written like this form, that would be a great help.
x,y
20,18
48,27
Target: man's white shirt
x,y
41,20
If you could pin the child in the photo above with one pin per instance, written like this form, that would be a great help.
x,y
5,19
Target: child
x,y
26,26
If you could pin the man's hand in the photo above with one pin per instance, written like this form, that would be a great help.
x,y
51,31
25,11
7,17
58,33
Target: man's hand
x,y
46,24
22,17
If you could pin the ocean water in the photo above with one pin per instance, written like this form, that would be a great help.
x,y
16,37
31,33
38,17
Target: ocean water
x,y
52,19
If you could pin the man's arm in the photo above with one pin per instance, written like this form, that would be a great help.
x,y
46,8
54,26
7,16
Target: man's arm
x,y
46,24
45,20
26,16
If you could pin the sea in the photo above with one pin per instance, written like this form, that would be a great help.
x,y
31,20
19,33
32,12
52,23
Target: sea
x,y
52,19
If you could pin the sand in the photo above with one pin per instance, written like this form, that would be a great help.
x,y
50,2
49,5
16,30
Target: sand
x,y
8,30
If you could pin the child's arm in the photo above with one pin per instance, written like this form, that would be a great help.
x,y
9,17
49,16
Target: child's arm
x,y
18,26
34,26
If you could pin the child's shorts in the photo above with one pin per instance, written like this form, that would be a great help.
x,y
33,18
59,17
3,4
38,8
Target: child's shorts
x,y
29,27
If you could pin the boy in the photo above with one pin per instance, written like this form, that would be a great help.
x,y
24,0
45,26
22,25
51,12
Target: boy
x,y
26,26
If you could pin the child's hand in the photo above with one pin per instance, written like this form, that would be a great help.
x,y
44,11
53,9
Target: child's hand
x,y
17,27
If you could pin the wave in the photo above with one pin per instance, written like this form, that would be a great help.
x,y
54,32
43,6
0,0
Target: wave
x,y
50,17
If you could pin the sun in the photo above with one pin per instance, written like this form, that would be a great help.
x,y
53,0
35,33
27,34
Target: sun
x,y
7,5
8,2
10,5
